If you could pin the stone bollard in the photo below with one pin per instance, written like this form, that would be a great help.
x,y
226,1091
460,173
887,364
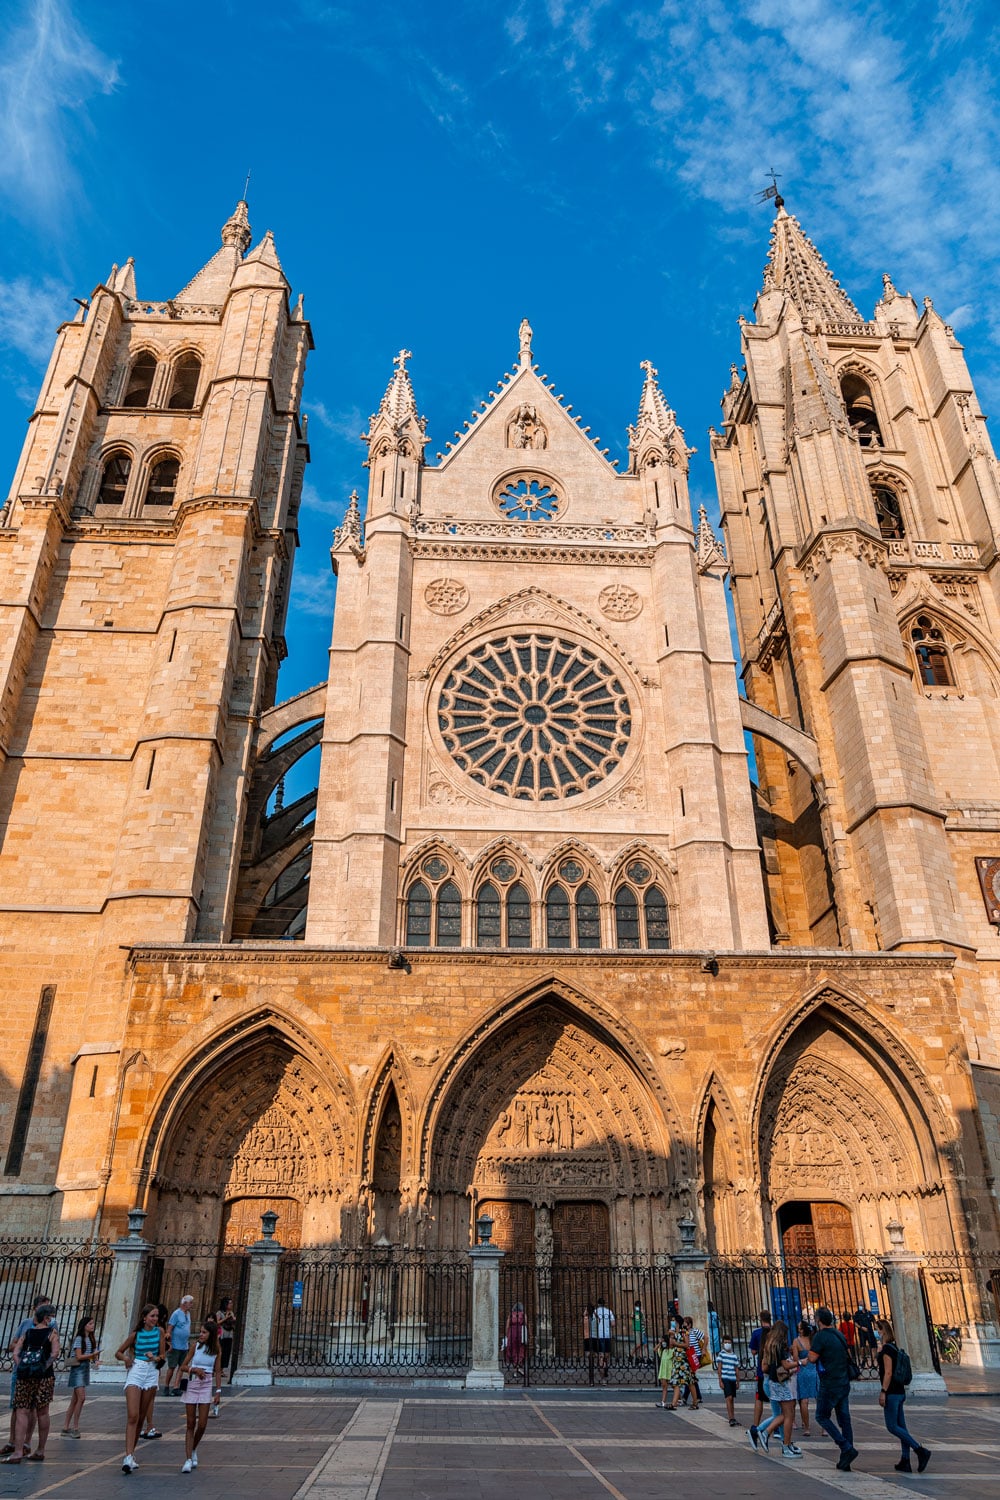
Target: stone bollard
x,y
485,1372
121,1312
909,1316
254,1367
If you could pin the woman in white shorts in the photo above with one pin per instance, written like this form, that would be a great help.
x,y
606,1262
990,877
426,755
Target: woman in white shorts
x,y
203,1368
143,1352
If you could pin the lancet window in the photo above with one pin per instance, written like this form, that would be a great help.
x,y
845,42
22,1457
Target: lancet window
x,y
888,512
503,908
184,385
932,655
861,410
434,907
162,487
114,480
139,384
572,909
641,917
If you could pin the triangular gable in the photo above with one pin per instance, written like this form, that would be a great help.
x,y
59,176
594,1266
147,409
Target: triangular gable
x,y
211,284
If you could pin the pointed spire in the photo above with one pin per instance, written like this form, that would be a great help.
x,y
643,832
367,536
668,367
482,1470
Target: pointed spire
x,y
399,402
350,531
122,279
656,435
236,230
265,253
795,267
889,293
711,552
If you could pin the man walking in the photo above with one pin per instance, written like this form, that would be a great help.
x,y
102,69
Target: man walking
x,y
756,1344
178,1339
829,1350
604,1323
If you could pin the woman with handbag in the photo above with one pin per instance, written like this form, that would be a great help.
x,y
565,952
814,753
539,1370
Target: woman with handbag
x,y
780,1366
35,1355
143,1353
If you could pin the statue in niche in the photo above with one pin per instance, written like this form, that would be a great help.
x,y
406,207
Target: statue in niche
x,y
526,430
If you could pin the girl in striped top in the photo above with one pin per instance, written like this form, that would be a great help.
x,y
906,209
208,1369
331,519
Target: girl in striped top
x,y
143,1353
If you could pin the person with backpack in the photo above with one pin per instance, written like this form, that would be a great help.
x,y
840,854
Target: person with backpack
x,y
895,1373
837,1369
22,1328
35,1355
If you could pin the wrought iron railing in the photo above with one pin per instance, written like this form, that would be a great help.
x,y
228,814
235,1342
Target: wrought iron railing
x,y
73,1274
383,1311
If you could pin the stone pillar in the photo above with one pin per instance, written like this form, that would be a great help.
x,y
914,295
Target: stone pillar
x,y
692,1288
909,1316
254,1367
121,1313
485,1372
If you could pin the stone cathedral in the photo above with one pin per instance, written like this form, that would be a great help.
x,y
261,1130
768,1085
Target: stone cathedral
x,y
536,943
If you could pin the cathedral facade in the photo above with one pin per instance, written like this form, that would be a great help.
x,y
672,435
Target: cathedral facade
x,y
535,943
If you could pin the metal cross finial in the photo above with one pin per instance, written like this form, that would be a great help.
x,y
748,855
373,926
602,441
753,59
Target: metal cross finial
x,y
772,191
400,359
649,367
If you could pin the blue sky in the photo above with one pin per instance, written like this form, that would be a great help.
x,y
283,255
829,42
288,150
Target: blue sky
x,y
434,172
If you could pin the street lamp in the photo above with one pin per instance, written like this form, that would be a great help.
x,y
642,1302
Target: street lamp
x,y
484,1229
268,1222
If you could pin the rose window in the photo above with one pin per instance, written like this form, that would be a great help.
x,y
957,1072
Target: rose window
x,y
534,716
528,500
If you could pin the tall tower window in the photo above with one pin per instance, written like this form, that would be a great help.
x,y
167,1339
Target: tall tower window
x,y
518,917
488,934
861,410
114,480
162,486
184,386
140,380
588,918
557,923
931,651
657,922
448,927
503,908
418,916
626,918
641,918
888,512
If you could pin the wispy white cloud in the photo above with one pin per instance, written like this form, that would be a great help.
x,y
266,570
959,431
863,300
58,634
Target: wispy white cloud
x,y
50,69
29,311
882,117
322,505
348,423
312,594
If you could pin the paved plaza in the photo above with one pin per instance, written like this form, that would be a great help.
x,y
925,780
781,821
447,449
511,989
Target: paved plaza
x,y
526,1445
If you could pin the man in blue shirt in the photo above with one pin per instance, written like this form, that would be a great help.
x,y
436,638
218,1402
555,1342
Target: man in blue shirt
x,y
756,1344
178,1340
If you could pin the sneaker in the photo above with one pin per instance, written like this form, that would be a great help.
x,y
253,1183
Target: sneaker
x,y
733,1422
129,1464
791,1450
753,1437
923,1459
847,1457
904,1466
186,1466
763,1438
74,1432
66,1432
194,1460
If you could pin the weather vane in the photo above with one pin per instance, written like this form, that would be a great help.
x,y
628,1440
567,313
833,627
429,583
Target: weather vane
x,y
772,191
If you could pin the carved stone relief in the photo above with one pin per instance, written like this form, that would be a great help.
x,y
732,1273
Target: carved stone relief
x,y
526,430
446,596
619,602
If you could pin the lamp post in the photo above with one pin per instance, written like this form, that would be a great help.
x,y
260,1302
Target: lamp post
x,y
484,1229
485,1372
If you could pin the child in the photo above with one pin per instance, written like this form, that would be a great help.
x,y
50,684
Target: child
x,y
727,1367
83,1355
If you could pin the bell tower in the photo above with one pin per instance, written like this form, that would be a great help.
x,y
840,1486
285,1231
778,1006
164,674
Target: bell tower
x,y
861,509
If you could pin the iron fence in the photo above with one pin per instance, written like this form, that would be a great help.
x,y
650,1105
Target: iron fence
x,y
961,1296
563,1326
383,1311
73,1274
853,1286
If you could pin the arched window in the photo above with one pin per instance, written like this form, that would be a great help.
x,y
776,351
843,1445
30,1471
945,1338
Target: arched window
x,y
140,380
184,386
654,904
588,918
518,917
488,917
114,479
626,917
162,486
448,929
861,410
557,928
418,916
931,651
888,512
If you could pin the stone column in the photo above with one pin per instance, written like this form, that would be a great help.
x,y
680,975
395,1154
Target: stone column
x,y
909,1317
485,1372
692,1288
121,1312
254,1367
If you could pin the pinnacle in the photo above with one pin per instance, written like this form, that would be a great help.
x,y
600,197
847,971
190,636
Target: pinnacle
x,y
795,266
236,229
265,252
399,402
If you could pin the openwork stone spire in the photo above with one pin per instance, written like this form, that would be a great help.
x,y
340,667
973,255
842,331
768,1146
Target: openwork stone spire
x,y
656,437
236,230
710,550
795,267
397,425
399,402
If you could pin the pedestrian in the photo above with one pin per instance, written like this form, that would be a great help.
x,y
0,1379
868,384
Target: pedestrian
x,y
894,1371
757,1338
83,1356
829,1350
780,1367
680,1377
588,1330
847,1328
203,1370
21,1330
640,1338
663,1355
604,1325
864,1322
35,1355
225,1318
695,1356
727,1367
516,1339
713,1330
143,1353
179,1336
808,1374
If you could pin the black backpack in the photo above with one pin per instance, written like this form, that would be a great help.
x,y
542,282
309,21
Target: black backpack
x,y
904,1369
36,1361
